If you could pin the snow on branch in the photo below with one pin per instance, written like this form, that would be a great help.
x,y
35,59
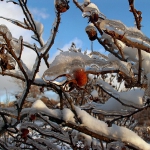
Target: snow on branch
x,y
90,125
115,132
51,39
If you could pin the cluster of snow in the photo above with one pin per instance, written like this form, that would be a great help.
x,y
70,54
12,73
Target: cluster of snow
x,y
94,93
68,115
114,132
91,123
39,106
125,97
90,8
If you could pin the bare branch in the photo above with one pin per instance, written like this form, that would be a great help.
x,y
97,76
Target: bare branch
x,y
138,19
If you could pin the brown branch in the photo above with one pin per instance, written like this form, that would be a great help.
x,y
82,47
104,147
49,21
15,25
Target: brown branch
x,y
10,50
21,49
3,145
136,13
138,19
77,4
140,66
87,131
45,133
128,42
24,44
72,107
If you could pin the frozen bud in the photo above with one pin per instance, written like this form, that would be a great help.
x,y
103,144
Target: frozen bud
x,y
93,11
91,31
24,134
32,117
94,15
61,5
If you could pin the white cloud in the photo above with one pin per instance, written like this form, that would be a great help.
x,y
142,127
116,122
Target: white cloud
x,y
77,41
39,13
10,10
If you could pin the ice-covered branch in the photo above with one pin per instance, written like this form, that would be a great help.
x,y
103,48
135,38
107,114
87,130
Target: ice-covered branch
x,y
13,74
46,132
25,43
44,50
136,13
8,38
18,23
132,37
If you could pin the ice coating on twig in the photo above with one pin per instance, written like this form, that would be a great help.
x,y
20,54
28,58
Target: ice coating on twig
x,y
131,37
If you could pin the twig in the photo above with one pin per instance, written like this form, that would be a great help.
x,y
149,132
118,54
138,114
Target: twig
x,y
51,39
129,115
21,49
136,13
77,4
138,19
140,66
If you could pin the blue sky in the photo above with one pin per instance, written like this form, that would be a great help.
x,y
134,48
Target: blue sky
x,y
72,27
